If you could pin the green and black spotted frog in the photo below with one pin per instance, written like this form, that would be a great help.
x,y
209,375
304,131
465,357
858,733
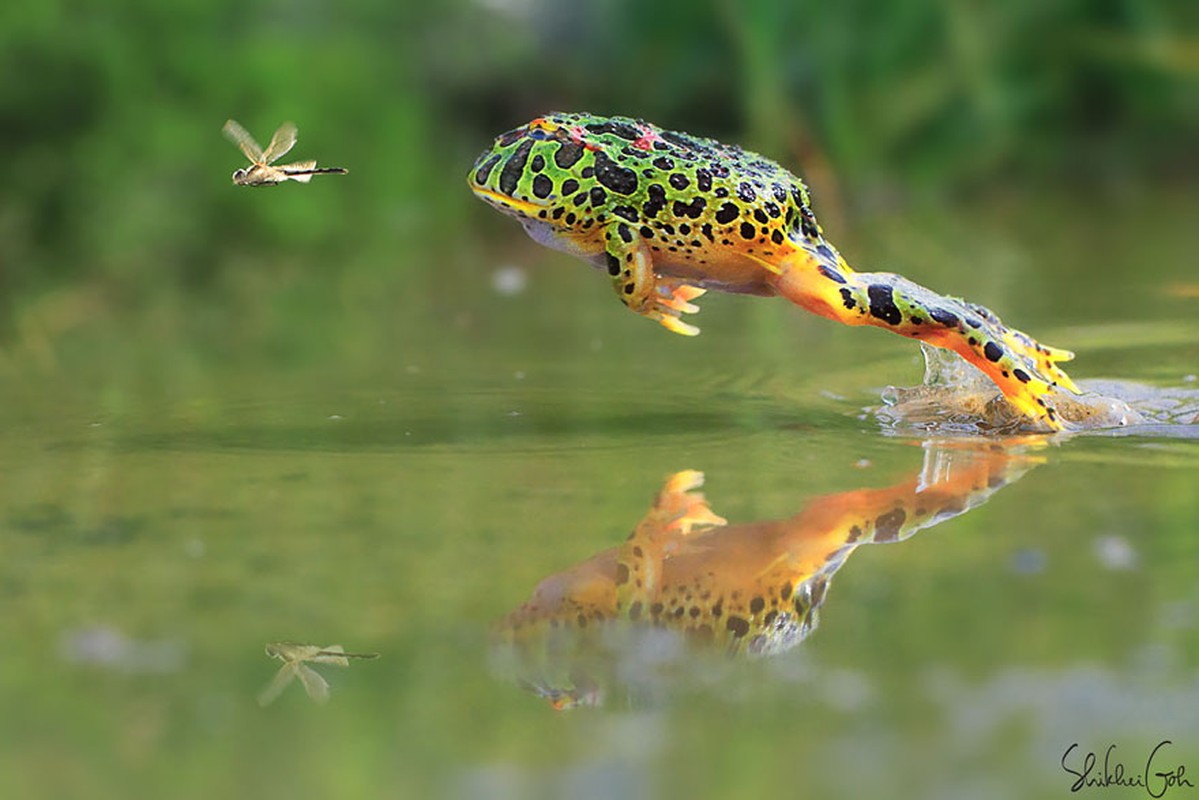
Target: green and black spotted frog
x,y
669,216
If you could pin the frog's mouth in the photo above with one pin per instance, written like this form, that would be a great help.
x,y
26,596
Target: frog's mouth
x,y
503,202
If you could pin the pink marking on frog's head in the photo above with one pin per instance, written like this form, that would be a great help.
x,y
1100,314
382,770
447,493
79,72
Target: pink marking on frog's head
x,y
647,138
579,136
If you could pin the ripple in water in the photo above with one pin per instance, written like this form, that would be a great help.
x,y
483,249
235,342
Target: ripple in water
x,y
957,398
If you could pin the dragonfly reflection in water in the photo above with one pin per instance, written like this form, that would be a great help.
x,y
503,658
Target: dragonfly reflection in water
x,y
295,658
750,589
260,172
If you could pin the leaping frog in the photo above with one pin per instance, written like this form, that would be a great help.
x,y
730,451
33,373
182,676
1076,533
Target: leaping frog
x,y
669,216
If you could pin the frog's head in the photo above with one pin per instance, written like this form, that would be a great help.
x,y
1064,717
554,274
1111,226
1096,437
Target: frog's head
x,y
529,171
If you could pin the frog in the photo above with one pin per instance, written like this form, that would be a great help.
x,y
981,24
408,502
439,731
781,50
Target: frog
x,y
746,590
669,216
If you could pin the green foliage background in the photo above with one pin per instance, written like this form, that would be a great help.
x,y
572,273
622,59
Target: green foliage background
x,y
117,175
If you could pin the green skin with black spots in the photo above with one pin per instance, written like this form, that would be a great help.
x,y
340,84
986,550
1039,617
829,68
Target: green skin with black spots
x,y
669,215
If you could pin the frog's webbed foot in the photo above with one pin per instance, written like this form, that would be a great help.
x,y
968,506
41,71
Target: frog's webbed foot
x,y
680,508
631,266
1043,356
669,301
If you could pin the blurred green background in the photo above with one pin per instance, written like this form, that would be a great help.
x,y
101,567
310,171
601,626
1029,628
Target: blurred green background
x,y
370,411
116,210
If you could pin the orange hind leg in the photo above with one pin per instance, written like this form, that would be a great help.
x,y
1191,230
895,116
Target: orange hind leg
x,y
1023,369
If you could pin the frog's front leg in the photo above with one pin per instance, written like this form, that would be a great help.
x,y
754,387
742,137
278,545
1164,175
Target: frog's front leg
x,y
677,510
1023,369
631,266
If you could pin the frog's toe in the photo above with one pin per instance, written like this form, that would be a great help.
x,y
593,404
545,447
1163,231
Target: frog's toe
x,y
1060,378
674,324
1048,355
1057,353
669,302
683,482
684,507
685,292
677,298
1042,358
698,514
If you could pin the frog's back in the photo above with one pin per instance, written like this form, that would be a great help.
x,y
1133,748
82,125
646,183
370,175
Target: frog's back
x,y
711,213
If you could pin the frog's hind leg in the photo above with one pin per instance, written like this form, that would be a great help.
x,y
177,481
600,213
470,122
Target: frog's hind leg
x,y
1023,369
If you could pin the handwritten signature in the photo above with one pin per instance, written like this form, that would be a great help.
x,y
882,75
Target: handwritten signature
x,y
1155,782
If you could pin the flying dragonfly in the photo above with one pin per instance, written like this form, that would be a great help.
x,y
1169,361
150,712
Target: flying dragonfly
x,y
260,172
295,658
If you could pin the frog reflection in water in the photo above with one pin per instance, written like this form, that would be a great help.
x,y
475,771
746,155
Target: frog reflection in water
x,y
748,589
669,216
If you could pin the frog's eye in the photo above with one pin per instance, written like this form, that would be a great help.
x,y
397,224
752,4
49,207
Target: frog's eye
x,y
544,126
540,134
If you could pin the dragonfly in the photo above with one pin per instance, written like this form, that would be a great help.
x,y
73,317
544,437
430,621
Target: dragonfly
x,y
260,172
295,658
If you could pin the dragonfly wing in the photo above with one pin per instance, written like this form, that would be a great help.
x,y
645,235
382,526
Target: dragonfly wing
x,y
242,138
316,686
278,683
283,140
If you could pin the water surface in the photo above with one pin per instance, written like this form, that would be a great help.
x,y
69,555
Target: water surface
x,y
170,505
